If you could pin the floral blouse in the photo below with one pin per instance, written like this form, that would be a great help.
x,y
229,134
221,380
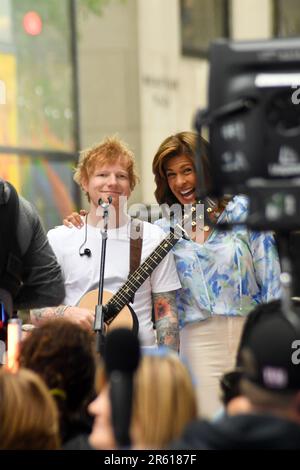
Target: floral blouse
x,y
230,273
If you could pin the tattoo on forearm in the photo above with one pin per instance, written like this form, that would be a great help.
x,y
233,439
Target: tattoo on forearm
x,y
39,315
166,319
60,310
164,304
167,334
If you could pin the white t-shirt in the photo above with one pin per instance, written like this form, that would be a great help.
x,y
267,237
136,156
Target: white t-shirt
x,y
81,273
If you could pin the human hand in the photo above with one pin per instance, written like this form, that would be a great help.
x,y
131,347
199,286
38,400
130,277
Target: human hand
x,y
82,316
75,219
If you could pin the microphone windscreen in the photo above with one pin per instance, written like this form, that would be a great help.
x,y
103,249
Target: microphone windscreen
x,y
104,204
121,351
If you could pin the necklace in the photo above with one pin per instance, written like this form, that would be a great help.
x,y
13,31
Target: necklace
x,y
200,210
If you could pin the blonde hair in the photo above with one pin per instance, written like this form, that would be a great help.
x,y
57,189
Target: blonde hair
x,y
164,400
28,414
109,150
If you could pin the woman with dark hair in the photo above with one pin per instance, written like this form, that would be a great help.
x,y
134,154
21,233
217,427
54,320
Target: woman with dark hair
x,y
223,274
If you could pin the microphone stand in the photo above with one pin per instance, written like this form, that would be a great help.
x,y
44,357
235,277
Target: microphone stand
x,y
100,309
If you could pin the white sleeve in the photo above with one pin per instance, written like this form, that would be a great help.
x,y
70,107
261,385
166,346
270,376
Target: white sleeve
x,y
164,277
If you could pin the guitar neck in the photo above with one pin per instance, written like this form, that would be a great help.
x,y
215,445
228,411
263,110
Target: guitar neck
x,y
124,295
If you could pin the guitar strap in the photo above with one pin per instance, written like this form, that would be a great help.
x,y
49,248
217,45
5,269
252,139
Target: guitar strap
x,y
136,244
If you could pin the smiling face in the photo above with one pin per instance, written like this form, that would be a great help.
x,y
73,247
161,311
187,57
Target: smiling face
x,y
181,177
109,179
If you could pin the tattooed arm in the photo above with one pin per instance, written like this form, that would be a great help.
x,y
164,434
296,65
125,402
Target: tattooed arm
x,y
82,316
166,319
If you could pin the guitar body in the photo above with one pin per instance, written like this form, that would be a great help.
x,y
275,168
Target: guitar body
x,y
123,315
126,318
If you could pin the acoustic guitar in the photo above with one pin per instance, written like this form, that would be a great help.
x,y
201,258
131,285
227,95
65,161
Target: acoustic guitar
x,y
117,311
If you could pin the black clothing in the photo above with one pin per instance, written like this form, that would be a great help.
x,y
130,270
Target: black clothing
x,y
74,426
10,253
41,278
241,432
80,442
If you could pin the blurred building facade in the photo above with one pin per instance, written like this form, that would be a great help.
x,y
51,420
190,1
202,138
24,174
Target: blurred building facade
x,y
142,73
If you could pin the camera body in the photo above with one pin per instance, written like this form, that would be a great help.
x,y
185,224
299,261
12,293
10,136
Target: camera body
x,y
254,128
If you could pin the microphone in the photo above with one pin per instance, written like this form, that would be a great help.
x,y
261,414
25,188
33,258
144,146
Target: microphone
x,y
121,358
86,252
104,204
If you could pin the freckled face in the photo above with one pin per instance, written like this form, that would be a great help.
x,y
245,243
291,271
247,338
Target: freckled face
x,y
181,177
108,180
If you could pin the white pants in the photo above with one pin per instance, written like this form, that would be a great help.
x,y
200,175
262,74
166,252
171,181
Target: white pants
x,y
209,348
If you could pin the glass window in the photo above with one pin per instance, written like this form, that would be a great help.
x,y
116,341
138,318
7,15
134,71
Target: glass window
x,y
201,22
44,74
37,110
46,183
5,22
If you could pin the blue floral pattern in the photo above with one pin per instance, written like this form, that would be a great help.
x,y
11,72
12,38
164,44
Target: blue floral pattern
x,y
230,273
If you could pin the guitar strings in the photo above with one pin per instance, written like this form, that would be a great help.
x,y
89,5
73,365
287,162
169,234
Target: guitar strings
x,y
121,296
120,299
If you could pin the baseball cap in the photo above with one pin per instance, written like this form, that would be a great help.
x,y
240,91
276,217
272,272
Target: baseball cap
x,y
271,356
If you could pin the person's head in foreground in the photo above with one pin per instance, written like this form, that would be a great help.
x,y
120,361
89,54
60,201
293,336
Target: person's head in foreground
x,y
270,359
28,413
163,403
265,392
62,353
